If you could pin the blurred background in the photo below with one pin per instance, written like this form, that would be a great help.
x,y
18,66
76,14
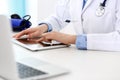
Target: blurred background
x,y
38,9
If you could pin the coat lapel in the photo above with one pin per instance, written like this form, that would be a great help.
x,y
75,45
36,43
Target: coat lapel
x,y
76,13
86,5
76,7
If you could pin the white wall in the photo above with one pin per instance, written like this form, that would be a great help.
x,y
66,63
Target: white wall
x,y
4,7
46,8
32,9
40,9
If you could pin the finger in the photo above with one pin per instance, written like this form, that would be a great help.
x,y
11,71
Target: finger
x,y
34,34
46,35
50,35
43,39
40,40
24,32
18,35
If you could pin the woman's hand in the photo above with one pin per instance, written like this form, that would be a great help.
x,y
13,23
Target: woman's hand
x,y
32,32
57,36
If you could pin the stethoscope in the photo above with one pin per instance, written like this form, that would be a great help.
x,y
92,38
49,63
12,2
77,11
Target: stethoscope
x,y
101,9
99,12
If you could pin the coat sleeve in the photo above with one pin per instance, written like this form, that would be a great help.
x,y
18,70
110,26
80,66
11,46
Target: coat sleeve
x,y
57,20
109,41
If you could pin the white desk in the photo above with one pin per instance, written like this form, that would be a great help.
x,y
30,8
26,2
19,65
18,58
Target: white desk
x,y
83,65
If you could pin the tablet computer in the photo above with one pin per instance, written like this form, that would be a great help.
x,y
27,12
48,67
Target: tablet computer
x,y
34,46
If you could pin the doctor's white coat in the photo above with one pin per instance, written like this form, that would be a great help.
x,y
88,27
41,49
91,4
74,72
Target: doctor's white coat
x,y
103,33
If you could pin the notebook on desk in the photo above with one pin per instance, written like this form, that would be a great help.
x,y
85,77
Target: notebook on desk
x,y
23,69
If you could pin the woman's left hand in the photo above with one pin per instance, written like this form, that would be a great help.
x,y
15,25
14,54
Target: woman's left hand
x,y
58,36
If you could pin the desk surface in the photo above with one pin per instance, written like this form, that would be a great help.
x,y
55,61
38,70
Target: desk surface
x,y
83,65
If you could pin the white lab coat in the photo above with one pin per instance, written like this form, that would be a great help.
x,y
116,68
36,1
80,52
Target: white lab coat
x,y
103,33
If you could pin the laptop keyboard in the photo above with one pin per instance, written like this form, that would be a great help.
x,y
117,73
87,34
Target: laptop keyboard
x,y
26,71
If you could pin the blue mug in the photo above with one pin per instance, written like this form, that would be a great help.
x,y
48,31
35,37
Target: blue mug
x,y
21,24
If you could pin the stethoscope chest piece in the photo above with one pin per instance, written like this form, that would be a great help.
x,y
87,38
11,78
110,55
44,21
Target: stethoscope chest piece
x,y
100,11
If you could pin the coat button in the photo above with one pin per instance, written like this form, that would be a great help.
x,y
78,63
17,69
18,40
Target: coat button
x,y
82,19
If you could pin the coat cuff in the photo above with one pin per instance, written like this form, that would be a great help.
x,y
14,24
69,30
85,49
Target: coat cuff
x,y
81,42
49,26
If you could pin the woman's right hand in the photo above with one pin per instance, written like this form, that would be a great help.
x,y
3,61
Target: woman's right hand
x,y
32,32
